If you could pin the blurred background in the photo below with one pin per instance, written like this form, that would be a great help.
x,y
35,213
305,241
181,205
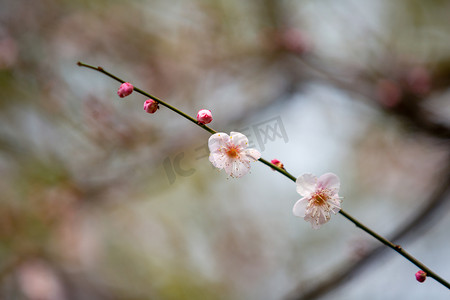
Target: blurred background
x,y
100,200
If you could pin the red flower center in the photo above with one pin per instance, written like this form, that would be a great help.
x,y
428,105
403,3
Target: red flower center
x,y
233,152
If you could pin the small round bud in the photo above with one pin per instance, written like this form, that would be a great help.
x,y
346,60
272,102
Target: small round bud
x,y
204,116
277,163
125,89
421,276
151,106
295,41
389,93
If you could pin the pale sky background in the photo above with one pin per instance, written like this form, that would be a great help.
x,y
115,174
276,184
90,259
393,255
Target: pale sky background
x,y
86,172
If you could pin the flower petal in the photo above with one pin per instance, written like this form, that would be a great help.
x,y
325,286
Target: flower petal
x,y
218,159
239,168
323,217
299,208
239,139
252,154
217,141
329,181
315,224
335,204
306,184
228,167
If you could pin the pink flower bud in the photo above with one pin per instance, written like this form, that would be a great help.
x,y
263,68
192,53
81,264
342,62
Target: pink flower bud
x,y
125,89
421,276
277,163
295,40
151,106
204,116
389,93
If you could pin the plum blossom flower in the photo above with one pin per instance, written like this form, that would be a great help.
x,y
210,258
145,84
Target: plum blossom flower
x,y
150,106
204,116
230,152
125,89
320,198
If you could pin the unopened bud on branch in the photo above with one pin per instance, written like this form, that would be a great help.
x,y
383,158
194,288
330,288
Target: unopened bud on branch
x,y
125,89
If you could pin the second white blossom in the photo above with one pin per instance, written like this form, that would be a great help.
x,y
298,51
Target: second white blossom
x,y
320,198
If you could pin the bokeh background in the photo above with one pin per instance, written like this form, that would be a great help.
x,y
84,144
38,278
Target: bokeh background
x,y
99,200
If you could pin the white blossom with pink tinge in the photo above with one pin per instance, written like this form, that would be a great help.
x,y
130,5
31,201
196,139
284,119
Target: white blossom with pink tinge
x,y
230,152
320,198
